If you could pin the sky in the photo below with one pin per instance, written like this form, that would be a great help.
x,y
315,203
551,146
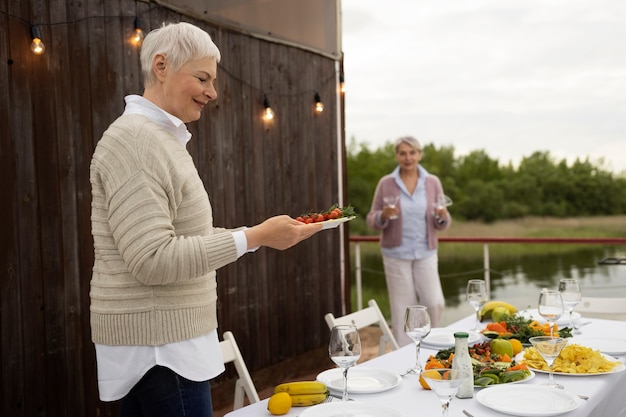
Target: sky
x,y
509,77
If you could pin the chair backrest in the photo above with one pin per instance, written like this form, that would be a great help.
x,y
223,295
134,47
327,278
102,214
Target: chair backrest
x,y
244,384
367,317
603,307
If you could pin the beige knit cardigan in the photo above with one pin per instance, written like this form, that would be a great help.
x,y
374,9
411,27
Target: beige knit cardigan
x,y
156,250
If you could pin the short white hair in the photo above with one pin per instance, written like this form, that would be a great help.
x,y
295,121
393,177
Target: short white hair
x,y
180,43
409,140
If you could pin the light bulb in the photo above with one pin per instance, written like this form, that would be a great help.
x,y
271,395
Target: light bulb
x,y
137,36
319,107
268,113
342,84
37,45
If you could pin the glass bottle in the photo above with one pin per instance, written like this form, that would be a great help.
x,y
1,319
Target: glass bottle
x,y
463,362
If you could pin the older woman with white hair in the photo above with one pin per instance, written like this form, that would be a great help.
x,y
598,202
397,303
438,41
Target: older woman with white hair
x,y
409,235
153,288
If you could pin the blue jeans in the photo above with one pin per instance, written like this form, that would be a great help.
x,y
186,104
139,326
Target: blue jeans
x,y
163,393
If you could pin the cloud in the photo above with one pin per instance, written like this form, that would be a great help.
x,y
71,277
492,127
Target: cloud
x,y
508,77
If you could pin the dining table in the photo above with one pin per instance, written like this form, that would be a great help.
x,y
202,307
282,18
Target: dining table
x,y
604,394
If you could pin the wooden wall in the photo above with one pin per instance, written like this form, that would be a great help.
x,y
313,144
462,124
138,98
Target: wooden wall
x,y
53,110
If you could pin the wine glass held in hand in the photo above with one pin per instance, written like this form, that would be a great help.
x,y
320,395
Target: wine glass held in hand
x,y
550,307
390,202
445,383
571,295
477,296
416,327
549,347
344,349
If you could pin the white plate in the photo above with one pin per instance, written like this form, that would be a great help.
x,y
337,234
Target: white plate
x,y
441,338
332,223
349,409
563,321
528,400
528,378
360,380
618,368
608,345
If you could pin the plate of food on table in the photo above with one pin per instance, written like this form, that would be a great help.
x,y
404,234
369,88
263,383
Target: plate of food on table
x,y
492,361
507,324
574,360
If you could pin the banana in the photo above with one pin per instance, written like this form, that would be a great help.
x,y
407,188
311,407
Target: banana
x,y
302,388
304,400
485,312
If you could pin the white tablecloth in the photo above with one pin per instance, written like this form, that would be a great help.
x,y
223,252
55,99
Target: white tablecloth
x,y
607,396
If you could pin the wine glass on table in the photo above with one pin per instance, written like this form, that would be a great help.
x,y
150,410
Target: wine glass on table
x,y
551,307
445,383
476,293
391,201
571,295
549,347
344,349
416,327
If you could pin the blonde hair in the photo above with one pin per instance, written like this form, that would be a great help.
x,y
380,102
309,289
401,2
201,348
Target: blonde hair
x,y
179,43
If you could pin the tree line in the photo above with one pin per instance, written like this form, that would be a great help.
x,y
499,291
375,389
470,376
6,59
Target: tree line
x,y
483,189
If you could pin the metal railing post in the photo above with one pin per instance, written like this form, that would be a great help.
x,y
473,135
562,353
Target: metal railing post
x,y
357,271
486,268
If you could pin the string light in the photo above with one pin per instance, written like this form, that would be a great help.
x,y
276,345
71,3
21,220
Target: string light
x,y
37,45
268,113
319,107
137,36
342,84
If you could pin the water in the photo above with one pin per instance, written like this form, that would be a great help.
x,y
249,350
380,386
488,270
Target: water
x,y
516,279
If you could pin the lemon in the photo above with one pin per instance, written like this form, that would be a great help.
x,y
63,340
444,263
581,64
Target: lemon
x,y
430,373
517,346
279,403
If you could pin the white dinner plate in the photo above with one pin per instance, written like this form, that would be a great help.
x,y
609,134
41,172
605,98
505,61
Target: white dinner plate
x,y
442,338
618,368
528,400
563,321
332,223
360,380
608,345
349,409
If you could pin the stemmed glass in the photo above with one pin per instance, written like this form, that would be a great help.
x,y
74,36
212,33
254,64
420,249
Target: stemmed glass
x,y
416,327
477,296
391,201
549,347
550,307
442,201
445,383
571,295
344,349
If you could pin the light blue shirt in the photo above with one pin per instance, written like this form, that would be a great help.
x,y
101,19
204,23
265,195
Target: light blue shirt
x,y
413,213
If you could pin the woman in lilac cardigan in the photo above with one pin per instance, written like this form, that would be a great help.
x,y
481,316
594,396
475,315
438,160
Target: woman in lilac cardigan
x,y
409,242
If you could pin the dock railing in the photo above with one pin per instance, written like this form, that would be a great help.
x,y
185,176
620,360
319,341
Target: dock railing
x,y
357,240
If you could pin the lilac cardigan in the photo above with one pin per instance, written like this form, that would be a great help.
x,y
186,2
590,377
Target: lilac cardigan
x,y
392,230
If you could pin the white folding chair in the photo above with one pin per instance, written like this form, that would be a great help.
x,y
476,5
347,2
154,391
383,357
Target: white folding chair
x,y
603,307
367,317
244,385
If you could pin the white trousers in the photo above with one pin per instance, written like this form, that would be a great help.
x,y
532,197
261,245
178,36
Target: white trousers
x,y
409,283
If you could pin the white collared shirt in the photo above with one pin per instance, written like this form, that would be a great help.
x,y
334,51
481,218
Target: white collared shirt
x,y
199,359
